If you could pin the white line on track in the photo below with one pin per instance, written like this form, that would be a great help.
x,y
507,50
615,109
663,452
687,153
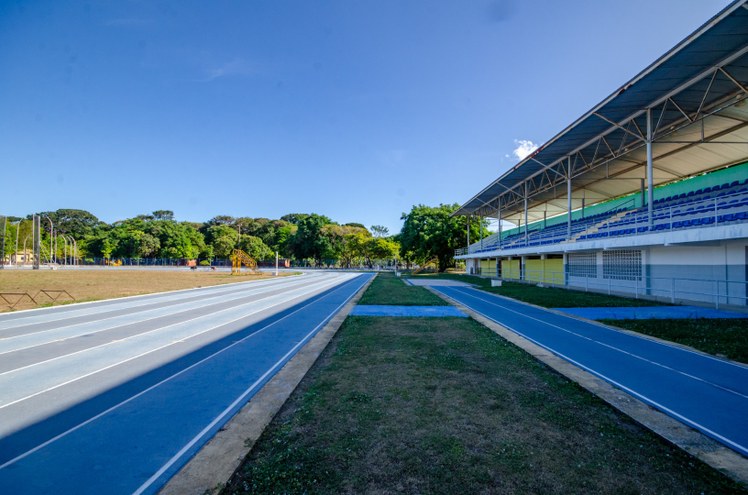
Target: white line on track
x,y
648,400
234,404
611,347
49,315
152,387
63,366
73,330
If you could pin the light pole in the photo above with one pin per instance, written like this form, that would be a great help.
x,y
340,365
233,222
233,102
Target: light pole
x,y
15,252
2,250
25,257
51,238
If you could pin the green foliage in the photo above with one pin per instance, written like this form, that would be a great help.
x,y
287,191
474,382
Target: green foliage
x,y
432,232
309,241
380,231
254,247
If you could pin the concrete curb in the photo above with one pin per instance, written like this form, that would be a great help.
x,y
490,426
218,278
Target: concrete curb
x,y
695,443
210,469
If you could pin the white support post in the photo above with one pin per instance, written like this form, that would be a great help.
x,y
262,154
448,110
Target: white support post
x,y
650,178
568,205
468,234
526,240
498,215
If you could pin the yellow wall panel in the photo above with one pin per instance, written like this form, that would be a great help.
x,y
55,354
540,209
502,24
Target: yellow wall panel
x,y
510,269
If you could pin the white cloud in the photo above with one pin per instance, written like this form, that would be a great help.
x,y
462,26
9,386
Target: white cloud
x,y
524,148
236,67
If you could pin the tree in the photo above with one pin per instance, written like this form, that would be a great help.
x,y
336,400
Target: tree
x,y
254,247
380,231
163,215
76,223
308,242
380,248
432,232
294,218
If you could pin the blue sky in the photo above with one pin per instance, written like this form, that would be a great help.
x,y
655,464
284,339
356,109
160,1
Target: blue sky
x,y
355,110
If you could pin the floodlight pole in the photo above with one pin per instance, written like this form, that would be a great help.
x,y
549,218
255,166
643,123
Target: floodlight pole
x,y
15,253
276,263
51,237
37,240
2,253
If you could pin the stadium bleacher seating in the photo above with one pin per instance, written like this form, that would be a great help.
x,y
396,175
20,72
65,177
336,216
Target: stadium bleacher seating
x,y
719,204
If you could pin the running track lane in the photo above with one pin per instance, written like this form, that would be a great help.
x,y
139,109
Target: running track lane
x,y
706,393
160,420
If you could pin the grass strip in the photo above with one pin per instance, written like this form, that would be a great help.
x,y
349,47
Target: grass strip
x,y
721,337
390,290
443,405
548,297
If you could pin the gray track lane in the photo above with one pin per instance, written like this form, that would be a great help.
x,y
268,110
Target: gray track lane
x,y
81,359
158,407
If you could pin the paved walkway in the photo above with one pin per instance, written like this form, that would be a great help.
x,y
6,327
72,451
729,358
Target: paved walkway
x,y
706,393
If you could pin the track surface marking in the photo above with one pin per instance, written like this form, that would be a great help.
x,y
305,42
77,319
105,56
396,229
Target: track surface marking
x,y
706,393
114,397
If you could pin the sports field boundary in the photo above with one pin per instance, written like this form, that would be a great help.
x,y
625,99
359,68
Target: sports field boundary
x,y
695,443
215,463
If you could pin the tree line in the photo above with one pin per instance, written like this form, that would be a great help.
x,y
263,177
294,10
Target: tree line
x,y
428,233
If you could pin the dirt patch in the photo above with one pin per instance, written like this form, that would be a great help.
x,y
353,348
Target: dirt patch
x,y
92,285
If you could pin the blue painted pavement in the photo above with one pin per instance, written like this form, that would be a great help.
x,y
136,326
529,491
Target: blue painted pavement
x,y
135,437
651,312
706,393
407,311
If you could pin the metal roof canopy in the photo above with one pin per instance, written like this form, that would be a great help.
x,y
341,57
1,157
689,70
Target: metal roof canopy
x,y
696,94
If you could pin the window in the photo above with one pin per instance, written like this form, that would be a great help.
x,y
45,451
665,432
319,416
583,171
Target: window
x,y
582,265
622,264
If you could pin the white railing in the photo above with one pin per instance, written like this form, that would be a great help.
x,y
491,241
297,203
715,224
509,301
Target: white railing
x,y
718,292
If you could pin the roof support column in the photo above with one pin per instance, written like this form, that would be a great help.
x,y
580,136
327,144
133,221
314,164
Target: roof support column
x,y
468,233
568,200
525,212
650,178
480,226
498,215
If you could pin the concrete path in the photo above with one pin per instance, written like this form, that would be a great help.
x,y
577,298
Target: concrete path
x,y
705,393
115,396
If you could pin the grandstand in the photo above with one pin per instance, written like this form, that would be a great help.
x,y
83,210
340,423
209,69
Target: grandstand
x,y
647,193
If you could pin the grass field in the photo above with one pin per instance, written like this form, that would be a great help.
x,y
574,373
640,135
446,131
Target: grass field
x,y
391,290
91,285
426,405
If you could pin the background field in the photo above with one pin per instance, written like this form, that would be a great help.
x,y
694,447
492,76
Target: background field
x,y
92,285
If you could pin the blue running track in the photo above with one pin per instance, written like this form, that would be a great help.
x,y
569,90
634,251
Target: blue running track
x,y
133,436
706,393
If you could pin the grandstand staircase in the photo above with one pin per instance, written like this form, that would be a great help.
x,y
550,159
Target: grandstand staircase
x,y
595,227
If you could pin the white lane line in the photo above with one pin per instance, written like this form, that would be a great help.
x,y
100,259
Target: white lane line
x,y
611,347
73,330
152,387
238,401
652,402
659,343
49,315
12,382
